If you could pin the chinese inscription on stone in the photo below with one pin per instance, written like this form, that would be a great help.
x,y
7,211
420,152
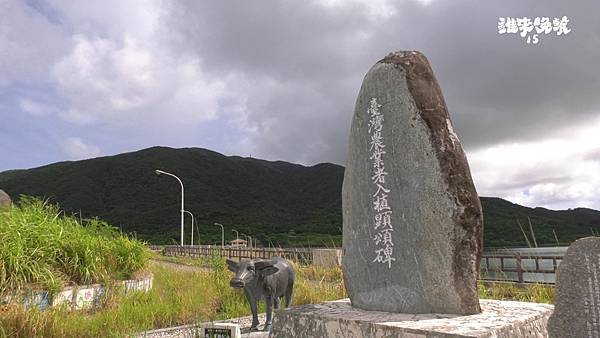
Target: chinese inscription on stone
x,y
383,212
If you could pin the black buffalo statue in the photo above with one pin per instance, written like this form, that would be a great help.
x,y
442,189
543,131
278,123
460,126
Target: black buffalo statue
x,y
263,279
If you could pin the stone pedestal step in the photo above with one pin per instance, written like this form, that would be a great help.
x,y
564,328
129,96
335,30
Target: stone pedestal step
x,y
498,319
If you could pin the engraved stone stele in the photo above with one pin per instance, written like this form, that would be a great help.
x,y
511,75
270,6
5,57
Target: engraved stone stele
x,y
4,199
577,292
413,225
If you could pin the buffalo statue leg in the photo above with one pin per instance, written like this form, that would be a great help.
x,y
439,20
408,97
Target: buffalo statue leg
x,y
276,303
254,310
288,294
269,301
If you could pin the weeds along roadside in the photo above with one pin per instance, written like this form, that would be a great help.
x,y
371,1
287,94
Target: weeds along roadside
x,y
41,248
178,297
186,297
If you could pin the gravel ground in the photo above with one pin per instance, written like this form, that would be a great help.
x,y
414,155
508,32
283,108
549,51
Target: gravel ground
x,y
188,331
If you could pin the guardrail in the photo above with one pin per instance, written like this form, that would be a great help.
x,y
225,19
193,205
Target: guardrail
x,y
494,267
301,255
519,268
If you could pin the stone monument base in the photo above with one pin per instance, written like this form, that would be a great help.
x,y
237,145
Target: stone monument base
x,y
339,319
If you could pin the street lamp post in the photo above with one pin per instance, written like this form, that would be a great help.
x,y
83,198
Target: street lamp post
x,y
192,229
249,239
198,233
159,172
222,235
237,237
269,239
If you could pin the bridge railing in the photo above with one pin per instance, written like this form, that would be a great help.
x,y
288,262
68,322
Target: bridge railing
x,y
519,268
301,255
494,267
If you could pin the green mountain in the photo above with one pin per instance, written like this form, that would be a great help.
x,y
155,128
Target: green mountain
x,y
275,202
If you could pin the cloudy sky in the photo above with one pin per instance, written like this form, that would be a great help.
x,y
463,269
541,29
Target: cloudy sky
x,y
277,79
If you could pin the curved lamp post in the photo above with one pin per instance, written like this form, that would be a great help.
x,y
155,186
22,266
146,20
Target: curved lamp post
x,y
159,172
249,239
270,242
237,237
192,240
222,235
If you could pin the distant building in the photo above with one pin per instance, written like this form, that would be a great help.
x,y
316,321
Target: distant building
x,y
239,243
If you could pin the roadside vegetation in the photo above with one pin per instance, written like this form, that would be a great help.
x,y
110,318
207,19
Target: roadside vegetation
x,y
41,248
533,292
178,297
199,292
530,292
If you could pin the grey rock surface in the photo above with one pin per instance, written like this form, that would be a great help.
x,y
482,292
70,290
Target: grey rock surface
x,y
413,225
577,292
499,319
4,199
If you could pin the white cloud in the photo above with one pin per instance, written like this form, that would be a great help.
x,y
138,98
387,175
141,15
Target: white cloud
x,y
134,81
76,149
558,172
111,18
29,43
34,108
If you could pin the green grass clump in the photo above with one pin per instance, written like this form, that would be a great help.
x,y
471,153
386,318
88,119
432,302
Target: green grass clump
x,y
177,297
41,248
534,293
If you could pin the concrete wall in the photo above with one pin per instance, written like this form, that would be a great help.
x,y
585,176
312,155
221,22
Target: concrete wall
x,y
74,297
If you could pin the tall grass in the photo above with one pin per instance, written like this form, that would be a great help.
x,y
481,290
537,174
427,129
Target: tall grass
x,y
42,248
179,296
534,292
186,296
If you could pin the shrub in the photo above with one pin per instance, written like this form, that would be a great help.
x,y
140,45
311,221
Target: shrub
x,y
40,247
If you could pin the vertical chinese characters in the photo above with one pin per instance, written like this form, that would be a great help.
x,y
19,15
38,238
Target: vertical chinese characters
x,y
383,212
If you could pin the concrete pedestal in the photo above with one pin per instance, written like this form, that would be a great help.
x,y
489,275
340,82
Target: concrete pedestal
x,y
498,319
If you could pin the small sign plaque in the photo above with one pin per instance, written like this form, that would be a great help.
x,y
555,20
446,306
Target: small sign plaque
x,y
217,333
221,330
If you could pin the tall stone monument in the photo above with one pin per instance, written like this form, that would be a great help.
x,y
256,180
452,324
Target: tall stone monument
x,y
413,225
577,299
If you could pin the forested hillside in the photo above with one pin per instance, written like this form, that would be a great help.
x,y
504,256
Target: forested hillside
x,y
277,202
